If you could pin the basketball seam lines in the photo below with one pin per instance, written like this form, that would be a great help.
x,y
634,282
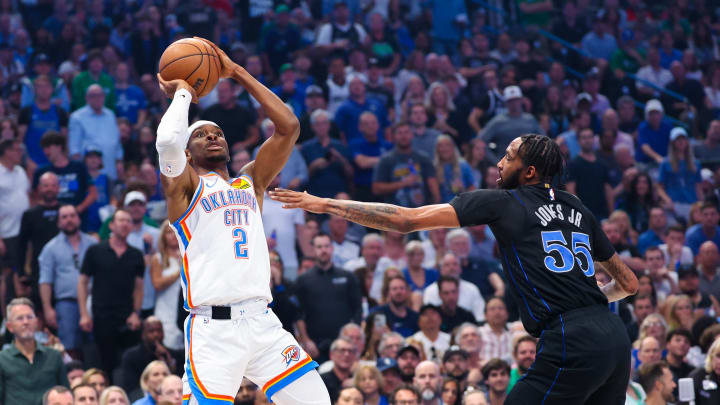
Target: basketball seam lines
x,y
208,71
183,57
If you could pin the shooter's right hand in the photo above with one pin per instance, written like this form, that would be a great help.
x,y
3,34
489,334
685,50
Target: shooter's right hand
x,y
171,86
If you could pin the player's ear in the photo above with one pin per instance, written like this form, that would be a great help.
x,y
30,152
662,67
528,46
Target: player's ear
x,y
530,172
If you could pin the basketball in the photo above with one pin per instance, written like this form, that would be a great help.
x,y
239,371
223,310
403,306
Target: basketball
x,y
191,60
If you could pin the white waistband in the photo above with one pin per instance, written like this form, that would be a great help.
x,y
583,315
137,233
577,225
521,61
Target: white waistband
x,y
238,310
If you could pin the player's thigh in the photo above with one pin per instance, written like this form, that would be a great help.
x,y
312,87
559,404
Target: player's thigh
x,y
279,362
215,359
309,389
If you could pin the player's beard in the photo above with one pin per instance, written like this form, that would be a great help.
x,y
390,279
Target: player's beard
x,y
510,182
217,158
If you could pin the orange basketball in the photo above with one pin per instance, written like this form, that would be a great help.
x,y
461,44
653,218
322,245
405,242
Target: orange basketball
x,y
191,60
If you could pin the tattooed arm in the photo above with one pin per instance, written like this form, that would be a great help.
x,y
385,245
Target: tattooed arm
x,y
385,217
624,282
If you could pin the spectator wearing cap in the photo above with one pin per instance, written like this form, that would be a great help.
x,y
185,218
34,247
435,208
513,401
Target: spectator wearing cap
x,y
654,74
689,284
399,316
653,134
706,230
131,102
455,364
589,179
315,99
708,152
328,160
366,151
404,176
599,43
434,341
94,163
390,372
117,271
41,116
679,174
456,307
524,351
238,123
496,338
94,125
505,127
708,260
39,224
408,358
279,39
344,355
59,263
288,89
347,116
451,314
94,75
27,368
76,185
42,66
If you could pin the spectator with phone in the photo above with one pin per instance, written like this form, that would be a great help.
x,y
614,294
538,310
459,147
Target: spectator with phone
x,y
397,314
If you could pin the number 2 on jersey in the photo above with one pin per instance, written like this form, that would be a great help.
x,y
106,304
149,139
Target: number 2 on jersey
x,y
554,241
241,251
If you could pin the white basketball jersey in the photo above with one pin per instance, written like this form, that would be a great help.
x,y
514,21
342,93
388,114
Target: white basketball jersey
x,y
222,242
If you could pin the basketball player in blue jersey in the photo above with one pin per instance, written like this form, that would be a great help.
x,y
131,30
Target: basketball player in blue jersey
x,y
230,332
550,244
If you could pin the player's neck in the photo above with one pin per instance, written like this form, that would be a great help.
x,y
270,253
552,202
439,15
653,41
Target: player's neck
x,y
221,171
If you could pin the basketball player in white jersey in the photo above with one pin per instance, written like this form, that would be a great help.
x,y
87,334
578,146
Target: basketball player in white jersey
x,y
230,332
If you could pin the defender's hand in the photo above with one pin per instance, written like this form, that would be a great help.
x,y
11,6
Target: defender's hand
x,y
227,66
294,199
170,87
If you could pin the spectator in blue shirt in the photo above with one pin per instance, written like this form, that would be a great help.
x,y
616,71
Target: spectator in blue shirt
x,y
366,152
348,114
656,230
130,101
679,175
327,159
653,134
598,43
668,53
59,263
706,230
399,317
289,91
96,125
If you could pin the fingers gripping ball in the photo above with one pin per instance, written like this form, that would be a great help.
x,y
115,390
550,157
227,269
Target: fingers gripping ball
x,y
191,60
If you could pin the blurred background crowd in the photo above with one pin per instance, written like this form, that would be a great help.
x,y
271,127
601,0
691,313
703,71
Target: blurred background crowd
x,y
409,102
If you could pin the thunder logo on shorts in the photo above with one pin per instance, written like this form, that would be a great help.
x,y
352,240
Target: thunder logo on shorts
x,y
290,354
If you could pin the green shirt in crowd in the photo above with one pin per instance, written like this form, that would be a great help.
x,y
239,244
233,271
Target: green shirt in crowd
x,y
83,80
22,382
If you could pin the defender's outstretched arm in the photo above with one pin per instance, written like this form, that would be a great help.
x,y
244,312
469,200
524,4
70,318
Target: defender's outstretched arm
x,y
386,217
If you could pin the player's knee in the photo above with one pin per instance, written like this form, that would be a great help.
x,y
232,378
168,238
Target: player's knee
x,y
306,390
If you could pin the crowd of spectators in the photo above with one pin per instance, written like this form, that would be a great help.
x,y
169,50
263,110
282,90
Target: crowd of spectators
x,y
409,102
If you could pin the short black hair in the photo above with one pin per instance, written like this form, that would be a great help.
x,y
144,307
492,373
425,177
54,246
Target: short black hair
x,y
681,332
542,153
319,235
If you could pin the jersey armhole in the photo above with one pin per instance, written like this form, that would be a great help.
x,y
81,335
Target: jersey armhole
x,y
193,201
